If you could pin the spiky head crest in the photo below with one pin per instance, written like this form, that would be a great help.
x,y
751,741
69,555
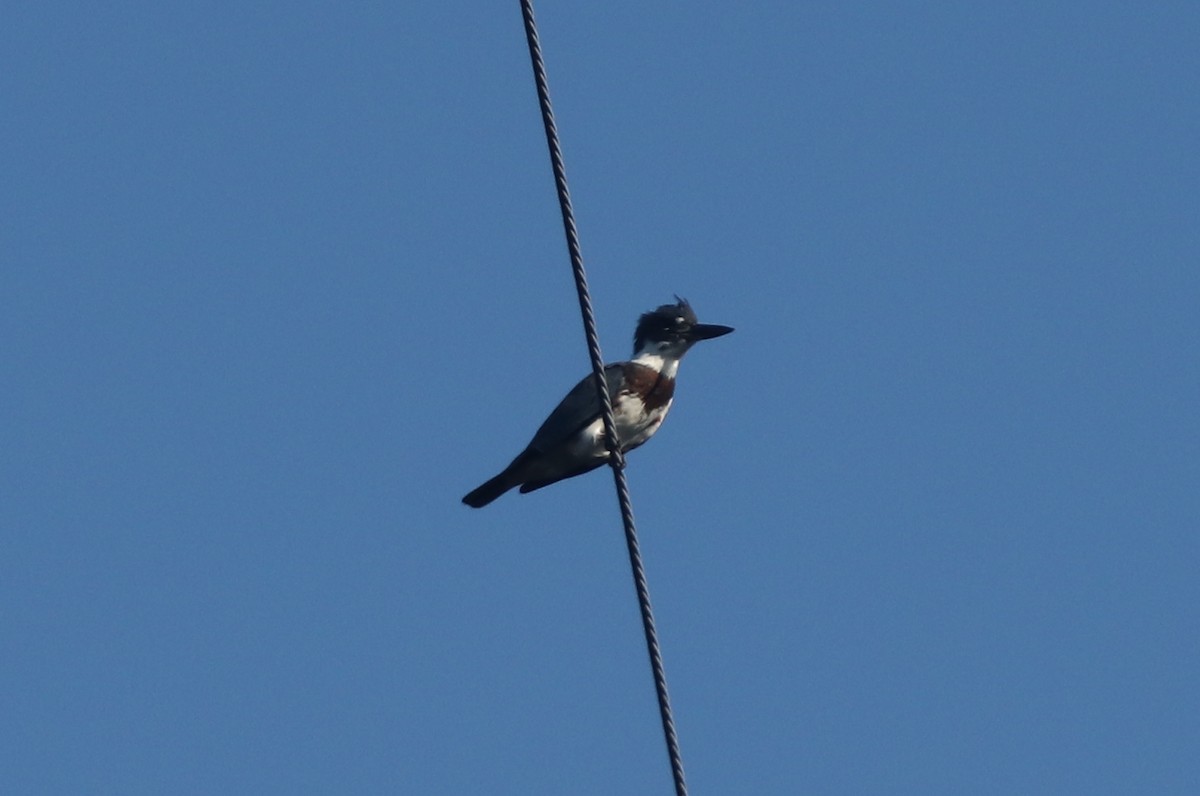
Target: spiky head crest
x,y
668,323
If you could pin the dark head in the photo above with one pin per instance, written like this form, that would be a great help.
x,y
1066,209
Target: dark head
x,y
672,329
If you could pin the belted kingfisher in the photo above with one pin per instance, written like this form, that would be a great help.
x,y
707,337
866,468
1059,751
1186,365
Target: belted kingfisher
x,y
571,441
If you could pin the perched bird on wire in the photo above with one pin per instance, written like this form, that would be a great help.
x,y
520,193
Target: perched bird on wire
x,y
571,441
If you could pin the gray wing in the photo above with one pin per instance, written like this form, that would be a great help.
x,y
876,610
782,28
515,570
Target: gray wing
x,y
577,411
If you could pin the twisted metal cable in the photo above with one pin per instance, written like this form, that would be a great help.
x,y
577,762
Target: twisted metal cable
x,y
616,458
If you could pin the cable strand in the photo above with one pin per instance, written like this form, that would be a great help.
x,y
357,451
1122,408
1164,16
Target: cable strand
x,y
616,458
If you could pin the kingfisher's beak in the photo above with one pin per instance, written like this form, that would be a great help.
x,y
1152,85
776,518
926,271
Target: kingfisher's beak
x,y
707,331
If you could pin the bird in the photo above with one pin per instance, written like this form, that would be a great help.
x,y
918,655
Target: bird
x,y
571,440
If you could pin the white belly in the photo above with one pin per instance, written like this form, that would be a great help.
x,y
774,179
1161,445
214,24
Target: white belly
x,y
633,428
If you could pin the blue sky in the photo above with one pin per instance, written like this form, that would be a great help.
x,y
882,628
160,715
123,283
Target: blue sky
x,y
281,282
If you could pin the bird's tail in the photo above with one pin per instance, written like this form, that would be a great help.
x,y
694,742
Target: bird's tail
x,y
491,489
